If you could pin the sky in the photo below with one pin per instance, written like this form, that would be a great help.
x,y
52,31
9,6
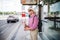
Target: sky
x,y
10,5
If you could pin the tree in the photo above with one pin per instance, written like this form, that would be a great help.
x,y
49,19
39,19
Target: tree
x,y
1,13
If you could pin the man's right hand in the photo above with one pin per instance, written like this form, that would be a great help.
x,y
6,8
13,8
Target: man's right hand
x,y
26,28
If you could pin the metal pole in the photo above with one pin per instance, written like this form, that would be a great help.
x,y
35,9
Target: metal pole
x,y
39,27
55,21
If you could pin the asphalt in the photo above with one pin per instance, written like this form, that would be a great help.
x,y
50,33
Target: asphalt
x,y
14,31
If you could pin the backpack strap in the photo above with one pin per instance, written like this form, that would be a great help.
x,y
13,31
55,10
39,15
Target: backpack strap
x,y
33,18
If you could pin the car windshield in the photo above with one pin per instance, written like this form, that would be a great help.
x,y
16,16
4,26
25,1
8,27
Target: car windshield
x,y
11,17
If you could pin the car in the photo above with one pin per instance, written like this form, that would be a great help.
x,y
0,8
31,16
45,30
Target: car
x,y
11,19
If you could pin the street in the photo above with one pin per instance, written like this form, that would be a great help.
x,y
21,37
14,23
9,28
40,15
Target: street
x,y
21,11
13,31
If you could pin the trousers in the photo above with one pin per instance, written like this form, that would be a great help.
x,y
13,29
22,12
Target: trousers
x,y
34,34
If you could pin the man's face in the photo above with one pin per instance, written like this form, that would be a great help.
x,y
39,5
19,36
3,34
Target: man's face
x,y
31,12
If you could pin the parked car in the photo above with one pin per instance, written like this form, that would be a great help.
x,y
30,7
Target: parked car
x,y
11,19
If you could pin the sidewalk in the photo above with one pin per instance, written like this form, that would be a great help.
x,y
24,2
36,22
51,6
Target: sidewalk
x,y
23,35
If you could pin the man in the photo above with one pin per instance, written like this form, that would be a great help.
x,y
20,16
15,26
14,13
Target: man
x,y
33,24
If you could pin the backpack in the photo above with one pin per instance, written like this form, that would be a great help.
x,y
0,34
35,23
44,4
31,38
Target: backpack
x,y
39,25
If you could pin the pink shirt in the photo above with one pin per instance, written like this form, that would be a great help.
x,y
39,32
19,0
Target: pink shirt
x,y
35,24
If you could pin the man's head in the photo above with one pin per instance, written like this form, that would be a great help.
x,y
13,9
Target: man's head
x,y
31,11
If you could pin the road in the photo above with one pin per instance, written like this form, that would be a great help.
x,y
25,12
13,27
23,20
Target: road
x,y
13,31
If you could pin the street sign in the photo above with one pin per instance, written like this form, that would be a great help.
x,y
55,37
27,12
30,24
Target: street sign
x,y
27,2
23,14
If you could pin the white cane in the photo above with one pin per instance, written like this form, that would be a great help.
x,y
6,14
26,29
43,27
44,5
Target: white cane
x,y
24,21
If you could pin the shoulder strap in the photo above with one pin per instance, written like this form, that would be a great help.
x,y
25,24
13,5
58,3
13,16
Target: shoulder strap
x,y
33,18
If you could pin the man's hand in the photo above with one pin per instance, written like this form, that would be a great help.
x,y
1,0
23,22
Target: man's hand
x,y
26,28
26,25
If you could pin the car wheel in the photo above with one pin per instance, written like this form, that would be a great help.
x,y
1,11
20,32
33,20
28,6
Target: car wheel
x,y
17,20
7,21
